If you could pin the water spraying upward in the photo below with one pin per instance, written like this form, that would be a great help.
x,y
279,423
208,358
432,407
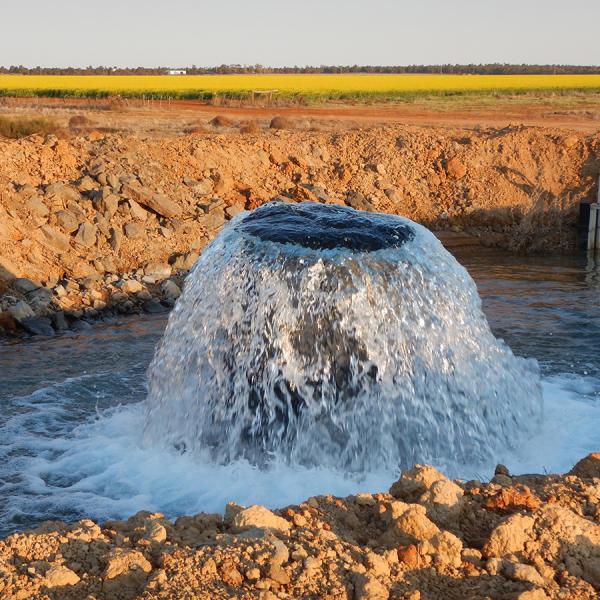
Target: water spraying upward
x,y
320,335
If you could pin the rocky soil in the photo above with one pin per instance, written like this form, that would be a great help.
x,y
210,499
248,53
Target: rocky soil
x,y
529,537
106,223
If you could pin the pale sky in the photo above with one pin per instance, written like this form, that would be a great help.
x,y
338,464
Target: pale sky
x,y
297,32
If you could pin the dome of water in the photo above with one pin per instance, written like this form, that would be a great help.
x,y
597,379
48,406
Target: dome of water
x,y
320,335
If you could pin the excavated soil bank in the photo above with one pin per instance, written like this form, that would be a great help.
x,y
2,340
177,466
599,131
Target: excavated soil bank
x,y
529,537
111,222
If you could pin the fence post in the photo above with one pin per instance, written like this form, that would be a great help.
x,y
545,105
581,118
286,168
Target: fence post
x,y
593,244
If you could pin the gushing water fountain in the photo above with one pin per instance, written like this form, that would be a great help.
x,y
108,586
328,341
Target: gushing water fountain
x,y
319,335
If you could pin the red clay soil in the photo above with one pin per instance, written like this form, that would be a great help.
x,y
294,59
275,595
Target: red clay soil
x,y
516,188
582,114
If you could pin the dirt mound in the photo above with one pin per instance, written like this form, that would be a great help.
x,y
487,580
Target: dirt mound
x,y
222,121
282,123
430,538
251,126
82,217
195,128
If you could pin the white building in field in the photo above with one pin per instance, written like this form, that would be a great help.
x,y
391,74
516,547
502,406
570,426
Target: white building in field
x,y
176,72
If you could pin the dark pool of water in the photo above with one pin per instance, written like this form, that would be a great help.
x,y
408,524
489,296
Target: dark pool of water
x,y
547,307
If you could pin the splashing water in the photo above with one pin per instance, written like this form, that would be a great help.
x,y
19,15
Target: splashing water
x,y
321,336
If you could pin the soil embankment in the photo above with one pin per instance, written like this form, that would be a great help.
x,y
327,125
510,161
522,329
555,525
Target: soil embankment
x,y
108,222
528,537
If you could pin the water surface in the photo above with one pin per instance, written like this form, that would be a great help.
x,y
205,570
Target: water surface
x,y
71,407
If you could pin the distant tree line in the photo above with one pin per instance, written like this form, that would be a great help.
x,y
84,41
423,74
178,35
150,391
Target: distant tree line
x,y
490,69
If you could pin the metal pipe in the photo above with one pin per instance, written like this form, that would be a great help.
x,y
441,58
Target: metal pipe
x,y
593,244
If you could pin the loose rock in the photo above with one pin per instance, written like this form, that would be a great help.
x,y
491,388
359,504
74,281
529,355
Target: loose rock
x,y
60,576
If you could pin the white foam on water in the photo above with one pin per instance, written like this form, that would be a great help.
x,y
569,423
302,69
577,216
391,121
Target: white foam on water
x,y
102,469
570,429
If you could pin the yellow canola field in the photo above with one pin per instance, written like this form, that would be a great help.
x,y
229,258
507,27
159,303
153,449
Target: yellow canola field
x,y
197,86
